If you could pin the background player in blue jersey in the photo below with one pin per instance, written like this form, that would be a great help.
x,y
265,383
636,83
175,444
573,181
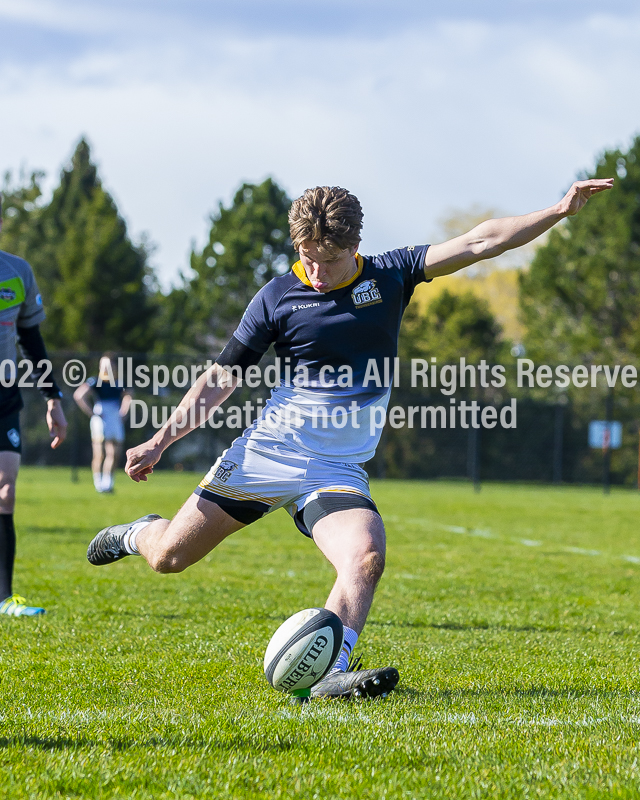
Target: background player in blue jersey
x,y
333,320
110,406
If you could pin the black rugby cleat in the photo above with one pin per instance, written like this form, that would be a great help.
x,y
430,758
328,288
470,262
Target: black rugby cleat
x,y
107,546
357,682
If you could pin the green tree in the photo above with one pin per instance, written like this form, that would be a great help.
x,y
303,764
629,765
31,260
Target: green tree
x,y
248,245
21,206
579,299
96,284
452,326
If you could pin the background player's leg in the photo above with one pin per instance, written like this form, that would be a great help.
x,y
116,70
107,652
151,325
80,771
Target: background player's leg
x,y
354,543
96,464
111,453
173,545
9,466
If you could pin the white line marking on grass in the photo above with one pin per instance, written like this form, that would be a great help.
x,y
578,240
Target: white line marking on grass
x,y
488,534
364,713
327,712
582,552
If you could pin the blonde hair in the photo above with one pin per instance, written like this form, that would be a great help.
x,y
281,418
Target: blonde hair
x,y
329,216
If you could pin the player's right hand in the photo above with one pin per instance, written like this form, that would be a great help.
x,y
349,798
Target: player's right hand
x,y
141,459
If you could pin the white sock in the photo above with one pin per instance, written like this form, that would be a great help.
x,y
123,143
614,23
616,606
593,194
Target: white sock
x,y
107,482
97,481
129,540
350,639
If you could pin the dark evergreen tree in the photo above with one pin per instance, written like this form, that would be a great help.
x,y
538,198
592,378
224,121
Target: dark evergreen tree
x,y
580,297
248,245
96,284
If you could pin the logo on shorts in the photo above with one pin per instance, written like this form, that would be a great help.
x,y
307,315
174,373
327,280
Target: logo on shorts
x,y
7,294
366,294
225,468
14,437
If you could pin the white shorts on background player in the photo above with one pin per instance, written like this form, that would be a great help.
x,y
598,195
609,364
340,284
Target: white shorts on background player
x,y
106,423
265,473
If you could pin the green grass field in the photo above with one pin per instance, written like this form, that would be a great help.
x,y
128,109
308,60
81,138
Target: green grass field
x,y
512,615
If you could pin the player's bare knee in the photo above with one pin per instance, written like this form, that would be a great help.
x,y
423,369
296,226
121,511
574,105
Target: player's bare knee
x,y
371,566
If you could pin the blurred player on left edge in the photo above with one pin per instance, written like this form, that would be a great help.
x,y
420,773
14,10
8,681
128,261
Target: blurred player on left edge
x,y
21,313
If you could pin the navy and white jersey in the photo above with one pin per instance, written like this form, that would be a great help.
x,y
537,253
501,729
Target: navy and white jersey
x,y
106,391
334,349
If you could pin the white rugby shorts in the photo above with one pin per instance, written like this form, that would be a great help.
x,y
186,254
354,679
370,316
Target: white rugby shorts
x,y
106,423
259,474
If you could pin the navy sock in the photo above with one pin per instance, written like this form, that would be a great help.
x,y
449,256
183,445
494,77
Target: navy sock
x,y
7,554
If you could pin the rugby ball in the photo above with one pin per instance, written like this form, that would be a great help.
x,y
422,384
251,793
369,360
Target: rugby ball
x,y
303,649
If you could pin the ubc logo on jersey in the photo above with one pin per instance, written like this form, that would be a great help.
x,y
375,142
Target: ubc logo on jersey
x,y
225,468
7,294
14,437
366,294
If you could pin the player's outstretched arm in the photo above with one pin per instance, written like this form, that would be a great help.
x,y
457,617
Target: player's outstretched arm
x,y
210,390
495,236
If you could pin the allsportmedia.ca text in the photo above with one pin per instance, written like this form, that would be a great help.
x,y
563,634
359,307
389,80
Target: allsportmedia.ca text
x,y
380,373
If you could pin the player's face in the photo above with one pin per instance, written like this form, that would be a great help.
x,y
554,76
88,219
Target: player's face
x,y
324,275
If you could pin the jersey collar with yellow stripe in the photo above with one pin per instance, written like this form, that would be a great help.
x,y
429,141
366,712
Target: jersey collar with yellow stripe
x,y
298,271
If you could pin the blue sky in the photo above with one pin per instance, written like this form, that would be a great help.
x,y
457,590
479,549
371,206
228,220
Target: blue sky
x,y
417,107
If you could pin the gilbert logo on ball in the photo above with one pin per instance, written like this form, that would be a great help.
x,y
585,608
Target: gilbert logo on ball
x,y
303,649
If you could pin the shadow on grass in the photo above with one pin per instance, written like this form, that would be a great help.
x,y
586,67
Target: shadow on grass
x,y
486,626
482,625
543,692
236,743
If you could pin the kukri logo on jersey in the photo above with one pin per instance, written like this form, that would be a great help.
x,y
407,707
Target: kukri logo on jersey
x,y
366,294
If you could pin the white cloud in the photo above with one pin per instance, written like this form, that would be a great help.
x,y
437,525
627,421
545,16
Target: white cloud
x,y
446,114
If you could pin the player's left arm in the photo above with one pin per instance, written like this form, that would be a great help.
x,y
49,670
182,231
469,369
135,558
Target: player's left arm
x,y
495,236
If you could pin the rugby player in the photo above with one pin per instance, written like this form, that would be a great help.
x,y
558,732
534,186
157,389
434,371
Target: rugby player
x,y
335,313
110,407
21,313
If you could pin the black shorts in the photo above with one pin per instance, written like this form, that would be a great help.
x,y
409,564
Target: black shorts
x,y
327,504
10,437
